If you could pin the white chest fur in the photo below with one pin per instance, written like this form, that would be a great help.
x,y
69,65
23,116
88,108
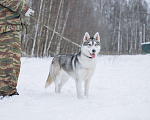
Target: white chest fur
x,y
87,68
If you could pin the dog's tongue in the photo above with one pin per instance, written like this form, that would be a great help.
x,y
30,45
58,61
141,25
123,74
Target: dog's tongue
x,y
92,55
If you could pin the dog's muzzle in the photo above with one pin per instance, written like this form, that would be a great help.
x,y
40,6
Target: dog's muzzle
x,y
93,53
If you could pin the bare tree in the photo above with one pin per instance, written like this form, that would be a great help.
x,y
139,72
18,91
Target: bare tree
x,y
41,28
49,45
47,32
64,26
37,27
123,25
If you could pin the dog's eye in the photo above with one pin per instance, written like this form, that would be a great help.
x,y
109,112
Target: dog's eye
x,y
89,45
97,44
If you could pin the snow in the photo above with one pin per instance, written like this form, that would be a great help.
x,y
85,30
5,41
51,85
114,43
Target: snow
x,y
148,1
119,90
145,43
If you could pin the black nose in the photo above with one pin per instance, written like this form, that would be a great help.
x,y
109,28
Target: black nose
x,y
93,51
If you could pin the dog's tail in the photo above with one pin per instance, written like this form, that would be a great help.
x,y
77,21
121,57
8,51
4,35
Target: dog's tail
x,y
49,81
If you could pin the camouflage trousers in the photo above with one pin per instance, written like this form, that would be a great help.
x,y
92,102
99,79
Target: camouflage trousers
x,y
10,53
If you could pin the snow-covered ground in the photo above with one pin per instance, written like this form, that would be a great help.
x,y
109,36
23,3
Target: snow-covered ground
x,y
148,1
119,90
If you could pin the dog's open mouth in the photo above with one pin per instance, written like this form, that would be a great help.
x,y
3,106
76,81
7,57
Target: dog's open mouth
x,y
92,55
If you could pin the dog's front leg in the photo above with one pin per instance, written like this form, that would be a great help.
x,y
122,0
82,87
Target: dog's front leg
x,y
86,85
78,88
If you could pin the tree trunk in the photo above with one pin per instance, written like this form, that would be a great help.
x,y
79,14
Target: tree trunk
x,y
135,44
41,29
62,33
49,45
37,27
119,29
144,40
47,31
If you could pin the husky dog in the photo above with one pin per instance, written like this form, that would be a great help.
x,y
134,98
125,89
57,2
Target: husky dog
x,y
80,66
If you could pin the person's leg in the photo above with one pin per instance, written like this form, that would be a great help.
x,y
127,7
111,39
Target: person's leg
x,y
10,53
16,56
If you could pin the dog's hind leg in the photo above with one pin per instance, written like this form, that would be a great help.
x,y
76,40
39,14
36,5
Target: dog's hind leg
x,y
64,79
56,73
56,82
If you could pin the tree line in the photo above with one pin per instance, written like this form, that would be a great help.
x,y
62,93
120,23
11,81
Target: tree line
x,y
123,25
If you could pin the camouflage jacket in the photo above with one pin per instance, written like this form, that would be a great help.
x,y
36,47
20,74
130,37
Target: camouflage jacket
x,y
10,11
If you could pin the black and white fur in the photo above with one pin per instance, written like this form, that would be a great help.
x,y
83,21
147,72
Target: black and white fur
x,y
80,66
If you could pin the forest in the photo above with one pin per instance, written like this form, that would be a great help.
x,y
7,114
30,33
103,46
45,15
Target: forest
x,y
123,25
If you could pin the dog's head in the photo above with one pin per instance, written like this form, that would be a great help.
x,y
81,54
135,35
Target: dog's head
x,y
91,45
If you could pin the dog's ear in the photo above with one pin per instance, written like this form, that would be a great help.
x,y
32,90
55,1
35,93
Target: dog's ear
x,y
86,36
97,37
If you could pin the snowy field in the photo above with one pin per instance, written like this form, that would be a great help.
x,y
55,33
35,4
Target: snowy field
x,y
119,90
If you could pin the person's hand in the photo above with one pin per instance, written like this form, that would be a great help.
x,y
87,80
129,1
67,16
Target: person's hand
x,y
29,12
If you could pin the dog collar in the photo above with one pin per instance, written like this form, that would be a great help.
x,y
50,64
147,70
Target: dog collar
x,y
87,56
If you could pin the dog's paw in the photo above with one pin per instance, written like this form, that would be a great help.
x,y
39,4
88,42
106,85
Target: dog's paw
x,y
80,97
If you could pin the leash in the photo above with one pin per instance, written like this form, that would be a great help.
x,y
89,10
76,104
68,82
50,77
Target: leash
x,y
51,29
